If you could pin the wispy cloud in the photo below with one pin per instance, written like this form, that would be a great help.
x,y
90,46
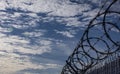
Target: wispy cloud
x,y
31,28
54,8
10,63
65,33
22,45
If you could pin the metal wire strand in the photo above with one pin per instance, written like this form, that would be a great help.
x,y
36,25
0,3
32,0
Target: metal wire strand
x,y
87,55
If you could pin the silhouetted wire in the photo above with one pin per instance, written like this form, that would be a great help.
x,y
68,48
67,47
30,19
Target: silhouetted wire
x,y
85,55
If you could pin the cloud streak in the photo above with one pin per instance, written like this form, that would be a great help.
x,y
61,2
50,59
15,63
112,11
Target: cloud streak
x,y
10,63
44,28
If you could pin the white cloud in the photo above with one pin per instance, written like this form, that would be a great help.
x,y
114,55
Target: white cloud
x,y
65,33
3,4
22,45
33,34
5,29
69,10
62,8
71,21
90,14
45,42
62,11
58,8
10,63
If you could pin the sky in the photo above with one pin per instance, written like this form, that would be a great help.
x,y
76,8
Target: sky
x,y
37,36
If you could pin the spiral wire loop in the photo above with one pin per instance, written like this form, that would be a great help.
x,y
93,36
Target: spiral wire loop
x,y
100,40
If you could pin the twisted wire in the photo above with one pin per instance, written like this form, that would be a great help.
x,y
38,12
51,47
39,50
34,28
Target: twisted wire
x,y
93,48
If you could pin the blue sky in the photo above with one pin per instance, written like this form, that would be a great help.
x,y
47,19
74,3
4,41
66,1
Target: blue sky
x,y
37,36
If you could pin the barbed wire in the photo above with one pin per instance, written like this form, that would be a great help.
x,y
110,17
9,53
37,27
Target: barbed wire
x,y
100,40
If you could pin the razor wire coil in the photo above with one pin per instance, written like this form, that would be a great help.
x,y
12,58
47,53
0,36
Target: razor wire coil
x,y
92,49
